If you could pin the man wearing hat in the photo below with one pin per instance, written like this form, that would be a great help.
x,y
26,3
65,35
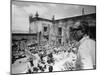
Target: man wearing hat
x,y
86,49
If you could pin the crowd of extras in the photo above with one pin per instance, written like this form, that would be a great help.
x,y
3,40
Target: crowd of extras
x,y
45,57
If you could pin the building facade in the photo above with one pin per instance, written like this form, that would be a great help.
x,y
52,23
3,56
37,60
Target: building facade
x,y
57,31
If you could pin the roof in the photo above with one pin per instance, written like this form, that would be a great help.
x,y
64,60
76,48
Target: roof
x,y
23,34
39,19
93,15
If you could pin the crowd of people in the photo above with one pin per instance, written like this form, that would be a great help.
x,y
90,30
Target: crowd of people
x,y
77,54
47,58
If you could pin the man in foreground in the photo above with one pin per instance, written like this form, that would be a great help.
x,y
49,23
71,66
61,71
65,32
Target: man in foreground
x,y
86,49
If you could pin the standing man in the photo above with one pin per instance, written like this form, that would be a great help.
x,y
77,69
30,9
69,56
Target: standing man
x,y
86,49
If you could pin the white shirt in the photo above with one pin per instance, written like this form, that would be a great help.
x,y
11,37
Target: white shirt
x,y
87,52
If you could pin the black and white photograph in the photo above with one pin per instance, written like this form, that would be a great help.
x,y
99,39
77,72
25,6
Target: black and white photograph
x,y
52,37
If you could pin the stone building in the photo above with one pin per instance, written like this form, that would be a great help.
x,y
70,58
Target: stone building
x,y
57,31
41,27
67,23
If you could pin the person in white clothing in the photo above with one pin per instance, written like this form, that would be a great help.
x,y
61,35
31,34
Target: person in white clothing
x,y
87,53
86,50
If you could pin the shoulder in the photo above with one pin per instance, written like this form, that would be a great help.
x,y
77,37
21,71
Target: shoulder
x,y
87,41
90,40
87,45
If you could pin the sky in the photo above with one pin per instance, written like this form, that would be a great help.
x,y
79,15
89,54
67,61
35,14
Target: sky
x,y
22,9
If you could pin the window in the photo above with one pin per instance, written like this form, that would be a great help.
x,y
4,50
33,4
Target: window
x,y
59,40
59,31
45,29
